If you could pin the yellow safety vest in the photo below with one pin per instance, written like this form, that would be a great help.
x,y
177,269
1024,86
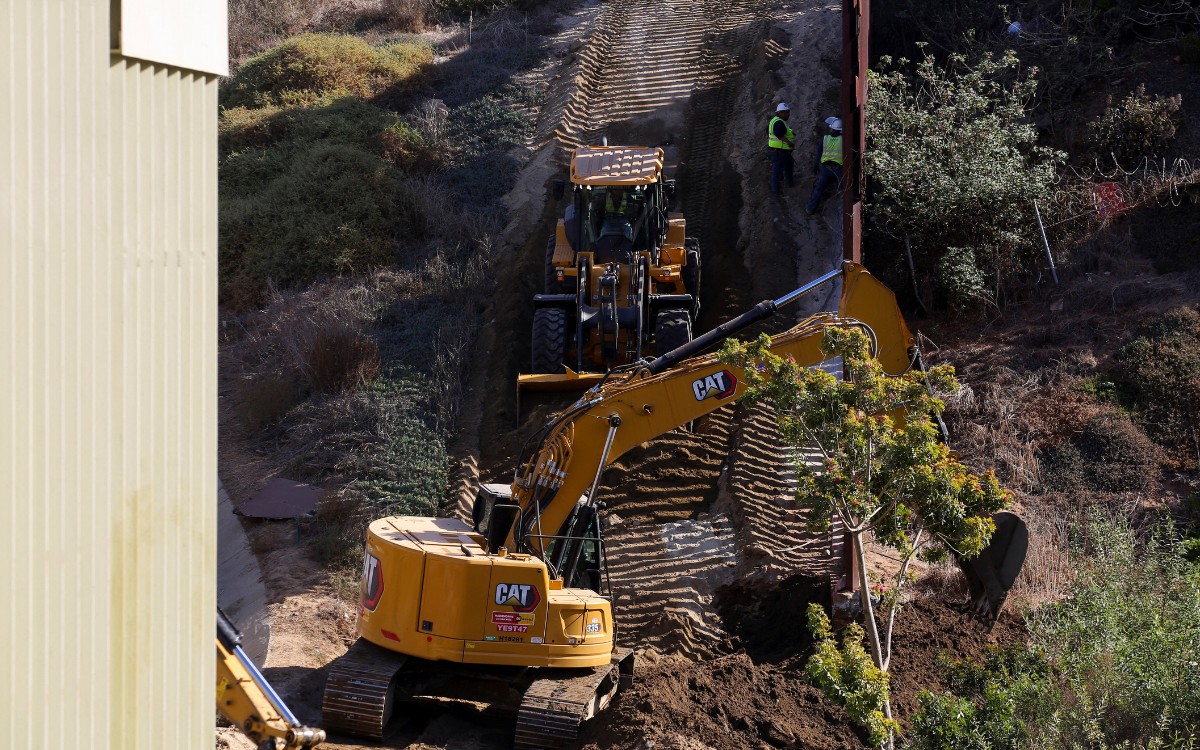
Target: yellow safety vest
x,y
831,149
774,142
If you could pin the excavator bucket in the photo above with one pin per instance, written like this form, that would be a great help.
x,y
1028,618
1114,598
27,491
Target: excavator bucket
x,y
990,575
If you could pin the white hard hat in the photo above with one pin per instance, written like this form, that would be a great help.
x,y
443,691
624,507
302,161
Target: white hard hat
x,y
783,107
835,124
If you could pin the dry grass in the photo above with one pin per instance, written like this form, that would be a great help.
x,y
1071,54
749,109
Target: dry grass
x,y
1048,570
341,359
258,25
989,426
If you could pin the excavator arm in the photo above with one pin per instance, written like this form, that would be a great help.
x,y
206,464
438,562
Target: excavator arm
x,y
564,467
245,698
573,449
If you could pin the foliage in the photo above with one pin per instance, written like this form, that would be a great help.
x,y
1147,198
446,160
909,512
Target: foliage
x,y
848,677
1110,454
333,209
314,68
882,467
350,122
957,165
959,274
897,476
998,705
1112,665
1138,126
1126,643
1160,369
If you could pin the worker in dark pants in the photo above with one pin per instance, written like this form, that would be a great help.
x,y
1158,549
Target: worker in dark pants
x,y
828,164
781,141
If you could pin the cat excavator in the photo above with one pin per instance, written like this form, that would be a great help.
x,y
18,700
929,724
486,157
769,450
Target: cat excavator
x,y
519,603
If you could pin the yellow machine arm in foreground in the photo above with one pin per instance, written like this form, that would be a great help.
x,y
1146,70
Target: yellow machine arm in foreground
x,y
245,698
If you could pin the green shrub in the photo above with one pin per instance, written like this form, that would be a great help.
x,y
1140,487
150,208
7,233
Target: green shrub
x,y
1137,127
312,68
1125,644
998,705
959,275
848,677
1111,666
1160,369
347,121
956,164
1110,454
332,209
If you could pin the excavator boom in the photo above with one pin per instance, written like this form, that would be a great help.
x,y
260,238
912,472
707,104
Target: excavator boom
x,y
629,409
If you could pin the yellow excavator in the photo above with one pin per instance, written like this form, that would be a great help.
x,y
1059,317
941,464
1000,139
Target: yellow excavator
x,y
248,701
519,604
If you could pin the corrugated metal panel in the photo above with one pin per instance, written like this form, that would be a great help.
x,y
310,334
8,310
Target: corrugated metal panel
x,y
107,388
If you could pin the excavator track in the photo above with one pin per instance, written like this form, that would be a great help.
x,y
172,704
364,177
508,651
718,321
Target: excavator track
x,y
360,691
554,708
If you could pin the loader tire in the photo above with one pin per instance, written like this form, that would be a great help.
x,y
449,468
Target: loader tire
x,y
553,285
549,340
672,329
691,274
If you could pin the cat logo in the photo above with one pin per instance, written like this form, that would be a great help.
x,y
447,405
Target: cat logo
x,y
718,385
522,597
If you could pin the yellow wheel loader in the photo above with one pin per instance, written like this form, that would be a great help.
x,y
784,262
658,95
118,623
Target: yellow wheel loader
x,y
622,278
247,700
519,602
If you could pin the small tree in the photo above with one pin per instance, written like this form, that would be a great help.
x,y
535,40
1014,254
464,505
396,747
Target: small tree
x,y
956,165
882,469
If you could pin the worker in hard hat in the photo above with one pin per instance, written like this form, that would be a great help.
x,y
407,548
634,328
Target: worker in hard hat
x,y
828,164
781,141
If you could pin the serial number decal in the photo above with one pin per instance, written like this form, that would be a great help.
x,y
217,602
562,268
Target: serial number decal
x,y
512,628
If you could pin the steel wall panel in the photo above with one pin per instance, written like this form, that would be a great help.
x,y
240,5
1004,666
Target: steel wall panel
x,y
107,389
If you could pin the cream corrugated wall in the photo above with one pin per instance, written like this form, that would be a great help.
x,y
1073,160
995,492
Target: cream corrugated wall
x,y
107,388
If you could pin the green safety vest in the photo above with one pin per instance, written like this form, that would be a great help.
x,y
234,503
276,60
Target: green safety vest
x,y
831,149
615,206
774,142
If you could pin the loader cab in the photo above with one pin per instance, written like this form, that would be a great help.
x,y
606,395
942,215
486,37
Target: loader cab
x,y
598,213
623,183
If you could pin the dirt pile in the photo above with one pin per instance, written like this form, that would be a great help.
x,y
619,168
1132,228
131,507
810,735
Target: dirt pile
x,y
759,697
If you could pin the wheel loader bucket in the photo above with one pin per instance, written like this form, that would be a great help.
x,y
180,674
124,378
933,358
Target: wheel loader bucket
x,y
992,573
568,381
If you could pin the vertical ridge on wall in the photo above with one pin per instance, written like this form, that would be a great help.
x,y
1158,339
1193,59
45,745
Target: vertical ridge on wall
x,y
108,391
